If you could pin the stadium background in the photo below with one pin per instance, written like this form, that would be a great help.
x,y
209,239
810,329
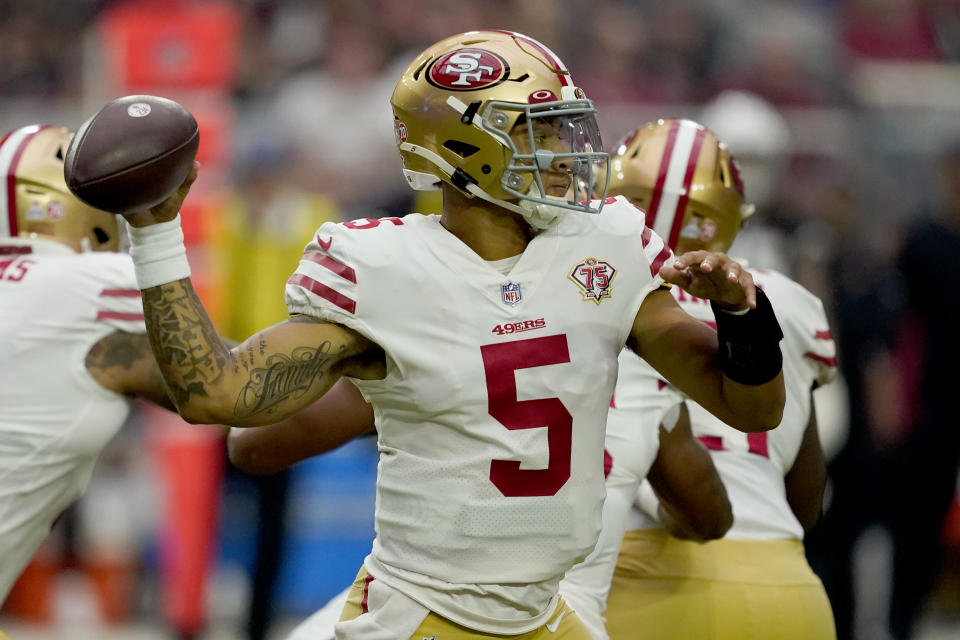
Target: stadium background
x,y
291,96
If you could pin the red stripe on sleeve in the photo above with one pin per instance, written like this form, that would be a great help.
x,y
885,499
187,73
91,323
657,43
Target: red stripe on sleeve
x,y
757,444
662,173
659,260
714,443
830,362
823,335
121,293
119,315
325,292
645,236
337,267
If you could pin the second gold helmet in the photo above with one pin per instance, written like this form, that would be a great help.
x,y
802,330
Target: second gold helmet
x,y
685,179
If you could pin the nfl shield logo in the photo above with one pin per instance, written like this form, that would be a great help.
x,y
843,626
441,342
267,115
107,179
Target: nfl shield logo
x,y
510,293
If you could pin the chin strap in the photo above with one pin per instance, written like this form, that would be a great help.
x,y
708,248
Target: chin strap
x,y
538,215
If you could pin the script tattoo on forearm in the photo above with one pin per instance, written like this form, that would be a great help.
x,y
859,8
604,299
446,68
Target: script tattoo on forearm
x,y
283,377
185,343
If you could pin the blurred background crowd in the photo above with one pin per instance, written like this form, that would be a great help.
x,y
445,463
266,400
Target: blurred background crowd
x,y
845,115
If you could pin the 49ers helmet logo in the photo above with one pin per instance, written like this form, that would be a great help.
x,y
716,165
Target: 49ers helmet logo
x,y
468,70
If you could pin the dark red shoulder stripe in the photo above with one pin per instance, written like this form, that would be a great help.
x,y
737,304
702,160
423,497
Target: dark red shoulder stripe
x,y
823,335
119,315
121,293
337,267
830,362
645,236
325,292
714,443
659,260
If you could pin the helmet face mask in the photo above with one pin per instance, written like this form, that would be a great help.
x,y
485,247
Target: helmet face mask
x,y
544,137
476,111
686,180
41,205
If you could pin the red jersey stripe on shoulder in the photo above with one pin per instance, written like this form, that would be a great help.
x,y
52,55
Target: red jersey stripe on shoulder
x,y
15,250
645,236
347,304
659,260
121,293
337,267
823,335
714,443
120,315
830,362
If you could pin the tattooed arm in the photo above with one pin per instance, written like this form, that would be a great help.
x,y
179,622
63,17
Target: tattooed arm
x,y
270,376
339,416
123,362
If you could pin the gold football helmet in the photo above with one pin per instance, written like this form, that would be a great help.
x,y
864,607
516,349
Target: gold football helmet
x,y
487,111
36,202
686,180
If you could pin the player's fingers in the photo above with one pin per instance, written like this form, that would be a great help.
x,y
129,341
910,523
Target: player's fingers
x,y
688,259
672,275
189,180
709,263
733,270
749,288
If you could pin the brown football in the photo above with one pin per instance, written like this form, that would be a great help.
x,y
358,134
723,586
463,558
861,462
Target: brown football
x,y
132,153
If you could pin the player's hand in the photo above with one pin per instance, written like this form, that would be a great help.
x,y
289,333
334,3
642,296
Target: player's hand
x,y
712,276
168,209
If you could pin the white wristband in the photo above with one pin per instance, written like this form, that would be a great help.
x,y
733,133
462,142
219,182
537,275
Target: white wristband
x,y
159,255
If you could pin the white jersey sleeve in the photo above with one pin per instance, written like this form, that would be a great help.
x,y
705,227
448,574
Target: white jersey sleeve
x,y
491,415
54,306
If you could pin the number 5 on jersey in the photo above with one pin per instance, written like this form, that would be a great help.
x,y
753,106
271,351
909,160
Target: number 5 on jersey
x,y
500,361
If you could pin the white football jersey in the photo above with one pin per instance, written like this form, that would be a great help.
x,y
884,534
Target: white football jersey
x,y
55,304
752,466
491,416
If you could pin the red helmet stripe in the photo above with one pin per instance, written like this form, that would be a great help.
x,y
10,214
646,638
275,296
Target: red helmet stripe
x,y
657,194
687,180
11,150
677,165
565,78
